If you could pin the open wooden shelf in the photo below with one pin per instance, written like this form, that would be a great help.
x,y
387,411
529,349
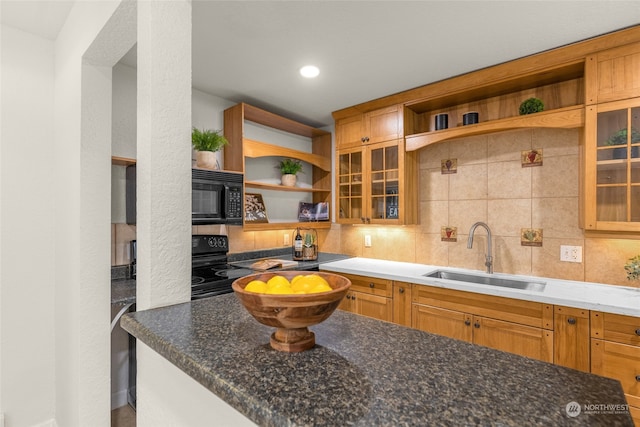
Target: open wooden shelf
x,y
567,118
240,149
285,225
267,186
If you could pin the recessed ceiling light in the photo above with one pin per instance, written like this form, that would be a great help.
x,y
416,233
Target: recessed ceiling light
x,y
309,71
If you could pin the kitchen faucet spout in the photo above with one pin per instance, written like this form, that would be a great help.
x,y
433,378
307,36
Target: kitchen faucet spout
x,y
488,259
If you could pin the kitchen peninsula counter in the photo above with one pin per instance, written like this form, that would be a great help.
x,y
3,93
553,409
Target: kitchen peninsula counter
x,y
366,372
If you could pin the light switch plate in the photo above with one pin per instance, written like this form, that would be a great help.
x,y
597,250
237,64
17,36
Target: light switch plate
x,y
285,240
571,253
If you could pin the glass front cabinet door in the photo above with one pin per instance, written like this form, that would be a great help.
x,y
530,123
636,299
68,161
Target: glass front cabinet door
x,y
612,166
369,185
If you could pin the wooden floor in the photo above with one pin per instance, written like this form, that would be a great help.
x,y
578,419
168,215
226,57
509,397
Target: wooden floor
x,y
124,416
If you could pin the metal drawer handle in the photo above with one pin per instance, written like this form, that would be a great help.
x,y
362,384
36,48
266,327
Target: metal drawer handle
x,y
571,321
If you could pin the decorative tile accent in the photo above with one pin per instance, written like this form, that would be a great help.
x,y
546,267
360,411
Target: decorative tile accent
x,y
449,234
531,237
531,158
449,166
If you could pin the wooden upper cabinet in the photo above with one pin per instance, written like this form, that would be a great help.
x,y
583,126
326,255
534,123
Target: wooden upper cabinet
x,y
613,74
369,128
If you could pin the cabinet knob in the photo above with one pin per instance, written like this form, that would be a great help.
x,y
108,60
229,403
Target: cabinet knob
x,y
371,285
476,325
353,297
638,378
571,321
364,139
467,322
401,290
638,332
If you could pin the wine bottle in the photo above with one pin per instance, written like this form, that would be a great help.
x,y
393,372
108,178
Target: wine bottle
x,y
297,245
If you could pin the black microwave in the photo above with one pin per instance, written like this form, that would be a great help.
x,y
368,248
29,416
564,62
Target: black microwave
x,y
216,197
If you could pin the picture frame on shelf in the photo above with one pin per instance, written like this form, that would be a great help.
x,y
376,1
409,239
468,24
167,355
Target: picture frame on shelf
x,y
313,211
255,210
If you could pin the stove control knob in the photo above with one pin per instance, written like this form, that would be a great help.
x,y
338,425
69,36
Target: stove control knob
x,y
221,243
212,242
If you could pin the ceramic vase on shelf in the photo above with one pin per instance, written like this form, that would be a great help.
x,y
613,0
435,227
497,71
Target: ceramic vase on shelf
x,y
207,160
289,180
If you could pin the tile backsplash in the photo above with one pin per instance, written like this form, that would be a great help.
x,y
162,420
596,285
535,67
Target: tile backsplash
x,y
491,185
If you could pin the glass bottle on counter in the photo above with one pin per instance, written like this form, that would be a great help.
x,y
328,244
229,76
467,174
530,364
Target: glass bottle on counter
x,y
297,246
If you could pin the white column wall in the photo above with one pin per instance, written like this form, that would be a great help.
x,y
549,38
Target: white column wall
x,y
27,343
163,225
92,39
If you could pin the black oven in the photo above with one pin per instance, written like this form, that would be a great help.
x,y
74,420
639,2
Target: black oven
x,y
211,274
216,197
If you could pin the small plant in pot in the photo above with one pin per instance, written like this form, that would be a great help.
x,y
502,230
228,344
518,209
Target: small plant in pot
x,y
289,169
620,138
206,143
309,247
530,106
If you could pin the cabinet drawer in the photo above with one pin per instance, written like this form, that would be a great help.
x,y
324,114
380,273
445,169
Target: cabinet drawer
x,y
511,310
452,324
526,341
615,327
618,361
370,285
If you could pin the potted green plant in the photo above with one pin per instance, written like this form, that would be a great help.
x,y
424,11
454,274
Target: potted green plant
x,y
309,248
620,138
633,268
531,105
206,143
289,169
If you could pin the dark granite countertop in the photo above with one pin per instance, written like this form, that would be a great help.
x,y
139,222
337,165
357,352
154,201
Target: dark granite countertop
x,y
123,291
366,372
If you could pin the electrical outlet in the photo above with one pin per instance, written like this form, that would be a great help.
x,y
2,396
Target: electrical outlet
x,y
367,241
285,241
571,253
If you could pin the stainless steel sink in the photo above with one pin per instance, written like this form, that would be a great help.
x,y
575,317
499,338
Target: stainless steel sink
x,y
488,280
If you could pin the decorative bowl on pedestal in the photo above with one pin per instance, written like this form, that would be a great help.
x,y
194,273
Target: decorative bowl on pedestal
x,y
292,314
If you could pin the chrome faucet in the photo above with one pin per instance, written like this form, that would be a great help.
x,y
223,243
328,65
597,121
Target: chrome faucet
x,y
488,259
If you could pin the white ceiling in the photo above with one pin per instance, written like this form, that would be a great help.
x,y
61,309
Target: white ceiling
x,y
251,50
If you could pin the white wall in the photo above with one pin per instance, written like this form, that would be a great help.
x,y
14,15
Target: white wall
x,y
27,285
94,36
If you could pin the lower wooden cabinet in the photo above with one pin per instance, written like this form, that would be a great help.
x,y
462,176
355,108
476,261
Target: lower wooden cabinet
x,y
369,296
402,303
368,305
528,341
515,326
615,353
571,338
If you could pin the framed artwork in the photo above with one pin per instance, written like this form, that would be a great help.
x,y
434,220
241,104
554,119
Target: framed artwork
x,y
313,211
254,209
